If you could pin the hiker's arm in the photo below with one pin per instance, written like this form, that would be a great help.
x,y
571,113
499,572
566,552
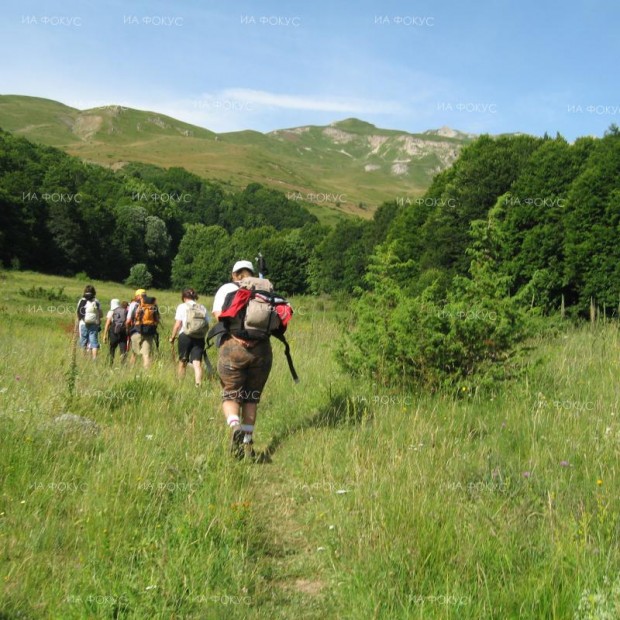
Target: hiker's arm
x,y
106,329
78,316
129,320
216,314
175,330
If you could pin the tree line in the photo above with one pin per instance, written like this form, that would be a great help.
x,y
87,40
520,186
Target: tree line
x,y
517,228
553,209
64,216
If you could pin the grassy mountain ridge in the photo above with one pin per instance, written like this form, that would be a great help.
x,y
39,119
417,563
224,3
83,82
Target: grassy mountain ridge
x,y
350,165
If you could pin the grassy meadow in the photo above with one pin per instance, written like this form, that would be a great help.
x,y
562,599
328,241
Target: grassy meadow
x,y
369,503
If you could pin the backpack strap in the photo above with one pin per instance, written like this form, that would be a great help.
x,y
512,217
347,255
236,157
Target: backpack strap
x,y
218,329
287,352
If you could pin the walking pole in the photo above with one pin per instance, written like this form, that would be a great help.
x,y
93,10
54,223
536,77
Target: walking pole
x,y
174,358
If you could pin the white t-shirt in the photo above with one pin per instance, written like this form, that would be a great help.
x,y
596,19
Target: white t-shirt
x,y
181,313
132,308
220,296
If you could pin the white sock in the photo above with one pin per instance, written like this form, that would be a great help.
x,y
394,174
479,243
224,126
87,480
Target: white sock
x,y
232,420
248,429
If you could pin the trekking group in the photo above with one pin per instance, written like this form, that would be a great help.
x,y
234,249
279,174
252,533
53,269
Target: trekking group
x,y
247,313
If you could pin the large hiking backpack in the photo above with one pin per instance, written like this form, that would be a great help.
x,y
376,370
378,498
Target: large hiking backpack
x,y
196,321
146,317
91,312
119,316
255,312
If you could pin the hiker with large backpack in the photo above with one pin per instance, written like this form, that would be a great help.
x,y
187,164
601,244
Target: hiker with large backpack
x,y
191,323
115,330
248,313
142,322
88,321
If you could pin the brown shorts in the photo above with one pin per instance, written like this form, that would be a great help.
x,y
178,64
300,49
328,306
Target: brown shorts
x,y
243,371
142,344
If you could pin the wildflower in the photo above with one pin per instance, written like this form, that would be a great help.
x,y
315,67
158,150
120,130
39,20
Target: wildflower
x,y
564,464
527,474
599,482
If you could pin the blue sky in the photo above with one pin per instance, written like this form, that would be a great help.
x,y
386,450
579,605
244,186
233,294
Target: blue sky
x,y
490,66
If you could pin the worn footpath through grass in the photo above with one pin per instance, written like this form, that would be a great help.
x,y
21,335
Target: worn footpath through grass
x,y
376,504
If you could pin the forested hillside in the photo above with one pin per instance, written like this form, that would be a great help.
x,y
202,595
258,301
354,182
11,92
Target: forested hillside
x,y
60,215
551,211
519,227
346,167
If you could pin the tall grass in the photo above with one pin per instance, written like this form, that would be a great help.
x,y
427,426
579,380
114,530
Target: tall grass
x,y
370,503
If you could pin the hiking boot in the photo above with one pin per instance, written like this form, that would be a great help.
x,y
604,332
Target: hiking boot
x,y
236,444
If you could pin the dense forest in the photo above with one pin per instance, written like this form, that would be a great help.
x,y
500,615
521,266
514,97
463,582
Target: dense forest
x,y
63,216
545,212
518,228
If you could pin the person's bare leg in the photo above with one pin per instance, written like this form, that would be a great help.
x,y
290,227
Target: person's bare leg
x,y
197,364
248,420
231,409
181,370
248,413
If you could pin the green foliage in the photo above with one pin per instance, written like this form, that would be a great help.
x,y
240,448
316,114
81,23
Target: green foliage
x,y
423,339
554,208
409,502
592,263
139,277
434,230
60,215
51,294
204,259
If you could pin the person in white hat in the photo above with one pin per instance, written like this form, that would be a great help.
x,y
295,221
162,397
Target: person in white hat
x,y
115,329
243,367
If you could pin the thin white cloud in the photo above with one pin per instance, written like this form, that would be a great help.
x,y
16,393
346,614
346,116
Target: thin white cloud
x,y
264,99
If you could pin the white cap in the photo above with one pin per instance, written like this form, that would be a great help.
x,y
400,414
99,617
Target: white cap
x,y
243,264
114,304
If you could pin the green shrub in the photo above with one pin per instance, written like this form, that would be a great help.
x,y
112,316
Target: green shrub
x,y
139,277
429,339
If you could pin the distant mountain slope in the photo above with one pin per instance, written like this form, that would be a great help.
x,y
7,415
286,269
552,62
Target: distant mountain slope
x,y
349,165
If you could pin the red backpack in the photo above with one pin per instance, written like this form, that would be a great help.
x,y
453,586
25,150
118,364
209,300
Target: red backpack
x,y
255,312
